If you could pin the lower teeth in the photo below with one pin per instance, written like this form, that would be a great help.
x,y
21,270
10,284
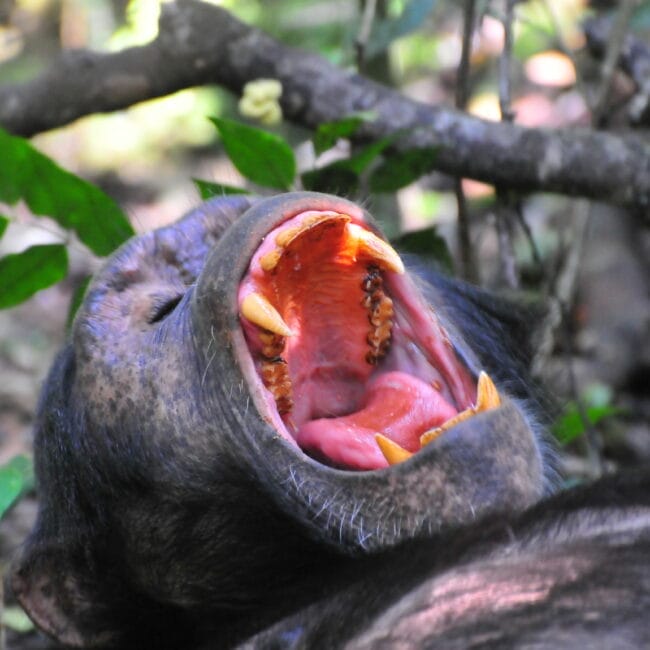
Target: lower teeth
x,y
275,374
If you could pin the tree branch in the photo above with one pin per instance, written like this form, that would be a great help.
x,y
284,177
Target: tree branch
x,y
200,44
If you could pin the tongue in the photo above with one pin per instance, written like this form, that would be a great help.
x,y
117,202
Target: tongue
x,y
397,405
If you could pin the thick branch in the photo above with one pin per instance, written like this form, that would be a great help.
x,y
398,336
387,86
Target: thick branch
x,y
200,44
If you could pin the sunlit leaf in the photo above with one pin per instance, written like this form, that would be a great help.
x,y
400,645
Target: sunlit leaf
x,y
329,133
402,168
4,222
264,158
208,190
23,274
51,191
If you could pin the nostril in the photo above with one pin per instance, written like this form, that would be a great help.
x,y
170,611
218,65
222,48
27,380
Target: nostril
x,y
162,307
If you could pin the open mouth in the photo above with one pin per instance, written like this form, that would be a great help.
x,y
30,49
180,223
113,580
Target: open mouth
x,y
357,370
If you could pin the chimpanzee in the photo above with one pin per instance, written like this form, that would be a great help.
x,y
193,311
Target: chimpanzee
x,y
265,431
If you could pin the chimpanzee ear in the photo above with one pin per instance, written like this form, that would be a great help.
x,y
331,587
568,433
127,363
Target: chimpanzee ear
x,y
60,598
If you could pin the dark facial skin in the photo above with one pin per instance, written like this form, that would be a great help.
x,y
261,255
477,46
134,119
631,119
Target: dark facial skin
x,y
167,496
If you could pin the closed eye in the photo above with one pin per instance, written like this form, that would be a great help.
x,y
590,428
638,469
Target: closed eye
x,y
162,307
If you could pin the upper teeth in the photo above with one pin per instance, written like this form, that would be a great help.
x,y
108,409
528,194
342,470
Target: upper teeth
x,y
375,248
258,310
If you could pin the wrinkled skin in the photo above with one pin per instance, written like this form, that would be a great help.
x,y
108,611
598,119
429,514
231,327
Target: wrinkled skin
x,y
170,499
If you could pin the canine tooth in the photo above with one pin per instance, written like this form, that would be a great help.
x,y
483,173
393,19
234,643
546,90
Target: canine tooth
x,y
392,452
487,397
258,310
377,249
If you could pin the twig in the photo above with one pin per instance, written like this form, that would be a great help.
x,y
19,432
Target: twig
x,y
507,114
505,217
614,47
505,214
367,19
534,250
469,269
634,60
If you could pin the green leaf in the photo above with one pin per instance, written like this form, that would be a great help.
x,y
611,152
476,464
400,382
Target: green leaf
x,y
331,179
23,274
24,465
428,244
4,222
401,169
571,425
11,486
264,158
51,191
16,477
329,133
362,159
208,190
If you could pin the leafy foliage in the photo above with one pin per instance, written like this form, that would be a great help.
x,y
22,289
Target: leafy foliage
x,y
51,191
402,169
263,157
343,175
267,160
329,133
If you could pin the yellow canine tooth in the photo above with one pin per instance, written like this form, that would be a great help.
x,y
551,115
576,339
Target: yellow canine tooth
x,y
380,251
258,310
487,397
393,453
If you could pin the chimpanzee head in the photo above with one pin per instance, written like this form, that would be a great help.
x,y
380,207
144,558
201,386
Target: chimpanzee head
x,y
253,392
